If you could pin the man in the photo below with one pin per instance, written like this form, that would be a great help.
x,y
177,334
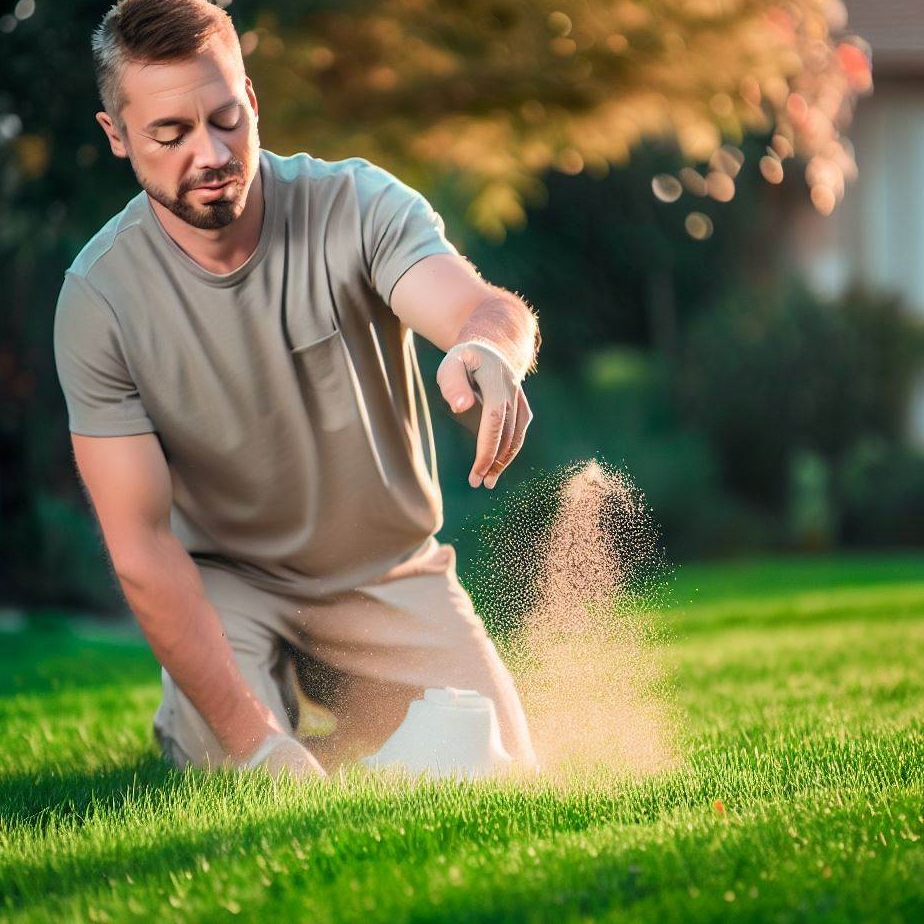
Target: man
x,y
236,354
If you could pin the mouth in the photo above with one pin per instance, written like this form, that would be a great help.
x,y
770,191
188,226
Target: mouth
x,y
214,185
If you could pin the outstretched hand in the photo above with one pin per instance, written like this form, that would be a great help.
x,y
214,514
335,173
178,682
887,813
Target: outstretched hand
x,y
473,371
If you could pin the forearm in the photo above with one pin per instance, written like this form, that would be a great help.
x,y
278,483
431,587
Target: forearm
x,y
505,322
166,594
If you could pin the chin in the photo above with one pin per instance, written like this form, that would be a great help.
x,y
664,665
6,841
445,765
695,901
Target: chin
x,y
218,214
222,215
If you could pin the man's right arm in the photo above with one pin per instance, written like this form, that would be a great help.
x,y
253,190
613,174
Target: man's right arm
x,y
129,485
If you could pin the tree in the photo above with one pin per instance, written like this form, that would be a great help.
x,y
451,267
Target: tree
x,y
498,92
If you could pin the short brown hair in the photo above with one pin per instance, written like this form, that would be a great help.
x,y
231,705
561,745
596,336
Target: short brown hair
x,y
152,30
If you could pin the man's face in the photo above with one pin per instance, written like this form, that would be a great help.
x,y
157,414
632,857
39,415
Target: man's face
x,y
187,124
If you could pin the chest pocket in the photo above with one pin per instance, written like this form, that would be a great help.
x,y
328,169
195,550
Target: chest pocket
x,y
325,375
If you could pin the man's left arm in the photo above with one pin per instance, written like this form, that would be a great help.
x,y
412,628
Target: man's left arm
x,y
491,339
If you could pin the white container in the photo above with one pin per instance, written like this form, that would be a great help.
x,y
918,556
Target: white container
x,y
449,732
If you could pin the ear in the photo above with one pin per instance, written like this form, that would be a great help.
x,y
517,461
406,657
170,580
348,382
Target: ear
x,y
112,133
252,96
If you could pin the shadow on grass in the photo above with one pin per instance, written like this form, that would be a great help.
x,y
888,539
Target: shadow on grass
x,y
338,832
31,799
48,799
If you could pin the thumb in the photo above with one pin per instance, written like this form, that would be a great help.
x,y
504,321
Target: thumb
x,y
452,378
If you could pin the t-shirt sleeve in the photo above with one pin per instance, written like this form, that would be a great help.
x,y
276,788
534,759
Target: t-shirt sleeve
x,y
101,397
399,227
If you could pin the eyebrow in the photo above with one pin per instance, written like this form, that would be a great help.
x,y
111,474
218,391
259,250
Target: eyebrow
x,y
175,120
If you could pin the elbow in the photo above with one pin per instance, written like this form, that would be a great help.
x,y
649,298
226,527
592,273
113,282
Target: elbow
x,y
137,560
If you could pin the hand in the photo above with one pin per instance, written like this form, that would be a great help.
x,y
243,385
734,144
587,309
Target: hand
x,y
283,752
471,371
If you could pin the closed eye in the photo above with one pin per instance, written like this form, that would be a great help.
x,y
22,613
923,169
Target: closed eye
x,y
176,142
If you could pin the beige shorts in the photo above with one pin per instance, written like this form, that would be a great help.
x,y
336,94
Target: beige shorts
x,y
359,659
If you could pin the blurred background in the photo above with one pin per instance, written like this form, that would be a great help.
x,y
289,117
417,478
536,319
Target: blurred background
x,y
714,206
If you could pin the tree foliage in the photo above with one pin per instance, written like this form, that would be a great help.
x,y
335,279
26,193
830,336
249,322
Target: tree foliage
x,y
498,92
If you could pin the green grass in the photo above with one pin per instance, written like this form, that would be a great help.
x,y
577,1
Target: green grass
x,y
800,687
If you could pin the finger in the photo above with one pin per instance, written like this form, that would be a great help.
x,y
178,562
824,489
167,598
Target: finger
x,y
454,384
523,419
503,449
489,437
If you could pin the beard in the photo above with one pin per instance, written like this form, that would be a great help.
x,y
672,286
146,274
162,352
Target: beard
x,y
218,213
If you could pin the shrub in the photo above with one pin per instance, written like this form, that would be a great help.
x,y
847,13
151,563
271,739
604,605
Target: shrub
x,y
881,486
770,374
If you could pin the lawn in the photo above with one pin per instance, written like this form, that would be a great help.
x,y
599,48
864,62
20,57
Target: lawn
x,y
800,798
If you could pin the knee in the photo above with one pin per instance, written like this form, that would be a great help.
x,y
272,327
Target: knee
x,y
170,751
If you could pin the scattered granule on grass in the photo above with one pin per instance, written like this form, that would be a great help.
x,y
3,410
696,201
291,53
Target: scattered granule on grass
x,y
577,616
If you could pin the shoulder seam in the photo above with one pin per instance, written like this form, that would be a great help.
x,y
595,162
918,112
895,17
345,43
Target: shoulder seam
x,y
133,223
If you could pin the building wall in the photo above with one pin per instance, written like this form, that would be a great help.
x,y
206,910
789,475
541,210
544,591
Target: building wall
x,y
876,234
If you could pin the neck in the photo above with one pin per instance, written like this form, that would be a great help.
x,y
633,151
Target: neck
x,y
221,250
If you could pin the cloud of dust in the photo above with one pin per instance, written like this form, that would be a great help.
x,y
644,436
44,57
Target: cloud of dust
x,y
582,646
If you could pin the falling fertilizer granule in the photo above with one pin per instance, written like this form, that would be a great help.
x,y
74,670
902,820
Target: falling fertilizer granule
x,y
578,628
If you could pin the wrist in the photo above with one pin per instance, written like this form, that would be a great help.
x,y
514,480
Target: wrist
x,y
249,726
505,322
494,350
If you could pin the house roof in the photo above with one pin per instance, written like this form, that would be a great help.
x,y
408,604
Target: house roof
x,y
894,29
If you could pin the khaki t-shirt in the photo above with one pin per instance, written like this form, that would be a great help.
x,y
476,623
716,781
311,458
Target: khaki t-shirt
x,y
286,395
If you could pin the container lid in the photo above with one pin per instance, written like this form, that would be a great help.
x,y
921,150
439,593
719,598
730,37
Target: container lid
x,y
450,696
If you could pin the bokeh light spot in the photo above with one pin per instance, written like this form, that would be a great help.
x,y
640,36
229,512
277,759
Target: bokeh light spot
x,y
720,186
570,161
667,188
693,181
249,42
782,146
823,198
10,127
699,226
771,169
560,23
24,9
728,159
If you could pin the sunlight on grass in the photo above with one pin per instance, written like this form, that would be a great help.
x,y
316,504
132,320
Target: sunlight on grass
x,y
799,797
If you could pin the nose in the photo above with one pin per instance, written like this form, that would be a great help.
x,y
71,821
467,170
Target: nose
x,y
211,153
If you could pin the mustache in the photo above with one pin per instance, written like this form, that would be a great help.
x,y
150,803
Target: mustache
x,y
234,170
